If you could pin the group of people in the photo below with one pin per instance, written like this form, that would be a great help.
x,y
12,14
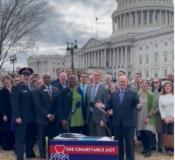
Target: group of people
x,y
33,108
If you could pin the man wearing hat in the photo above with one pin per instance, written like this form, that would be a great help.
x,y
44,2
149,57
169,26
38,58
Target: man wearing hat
x,y
24,115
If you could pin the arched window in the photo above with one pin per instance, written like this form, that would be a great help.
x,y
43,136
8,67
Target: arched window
x,y
156,74
165,56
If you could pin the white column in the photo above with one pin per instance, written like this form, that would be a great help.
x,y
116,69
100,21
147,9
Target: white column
x,y
136,19
86,60
101,53
119,22
126,56
109,58
83,61
129,56
104,62
142,20
166,17
160,17
148,12
117,57
97,59
90,60
130,20
114,57
122,56
154,17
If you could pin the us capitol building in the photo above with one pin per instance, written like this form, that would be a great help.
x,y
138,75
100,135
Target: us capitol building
x,y
142,41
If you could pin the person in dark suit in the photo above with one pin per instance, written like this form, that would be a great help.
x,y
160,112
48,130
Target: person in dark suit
x,y
23,110
123,103
82,89
61,82
7,126
72,117
97,95
47,102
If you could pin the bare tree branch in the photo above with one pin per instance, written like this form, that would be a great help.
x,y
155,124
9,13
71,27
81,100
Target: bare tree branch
x,y
19,19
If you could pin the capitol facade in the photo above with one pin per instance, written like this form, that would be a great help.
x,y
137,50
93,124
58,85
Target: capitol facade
x,y
43,64
142,41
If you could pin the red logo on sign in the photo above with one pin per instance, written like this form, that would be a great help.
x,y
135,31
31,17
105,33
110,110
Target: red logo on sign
x,y
60,149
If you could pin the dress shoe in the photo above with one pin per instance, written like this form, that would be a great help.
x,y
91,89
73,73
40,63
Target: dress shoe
x,y
147,154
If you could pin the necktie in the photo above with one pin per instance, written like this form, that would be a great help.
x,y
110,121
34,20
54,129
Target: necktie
x,y
122,92
28,86
93,92
84,91
49,91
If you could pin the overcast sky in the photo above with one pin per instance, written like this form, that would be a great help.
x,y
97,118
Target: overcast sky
x,y
73,19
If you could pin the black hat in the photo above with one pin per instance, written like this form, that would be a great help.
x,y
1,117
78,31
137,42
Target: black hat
x,y
26,71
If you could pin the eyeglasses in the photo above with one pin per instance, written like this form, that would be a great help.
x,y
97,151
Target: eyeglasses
x,y
156,82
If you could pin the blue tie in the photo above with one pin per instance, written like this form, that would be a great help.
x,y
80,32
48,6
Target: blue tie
x,y
84,91
122,92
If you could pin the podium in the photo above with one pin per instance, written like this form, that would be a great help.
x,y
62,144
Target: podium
x,y
84,148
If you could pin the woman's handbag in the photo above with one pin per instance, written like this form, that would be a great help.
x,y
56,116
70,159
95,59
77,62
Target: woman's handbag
x,y
168,140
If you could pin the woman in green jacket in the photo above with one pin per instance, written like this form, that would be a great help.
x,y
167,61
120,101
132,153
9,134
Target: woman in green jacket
x,y
145,119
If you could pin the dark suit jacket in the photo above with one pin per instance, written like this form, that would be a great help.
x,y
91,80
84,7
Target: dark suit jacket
x,y
6,108
46,104
124,114
56,83
102,95
23,102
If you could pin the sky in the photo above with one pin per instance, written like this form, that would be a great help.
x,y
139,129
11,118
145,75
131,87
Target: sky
x,y
72,20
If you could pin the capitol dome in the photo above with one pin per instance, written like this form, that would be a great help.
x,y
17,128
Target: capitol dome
x,y
142,15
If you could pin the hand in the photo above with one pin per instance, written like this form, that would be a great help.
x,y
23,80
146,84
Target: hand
x,y
5,118
167,120
139,106
102,123
51,118
18,120
110,112
99,104
64,124
171,120
146,120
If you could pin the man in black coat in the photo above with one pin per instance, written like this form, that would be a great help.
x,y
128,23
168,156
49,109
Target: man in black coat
x,y
123,103
61,82
47,102
23,110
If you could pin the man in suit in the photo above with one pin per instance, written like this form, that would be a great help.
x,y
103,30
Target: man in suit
x,y
23,110
97,96
57,79
47,102
82,88
62,82
123,103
